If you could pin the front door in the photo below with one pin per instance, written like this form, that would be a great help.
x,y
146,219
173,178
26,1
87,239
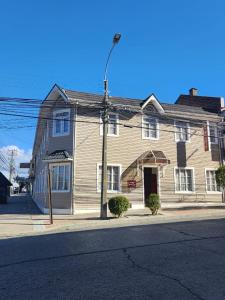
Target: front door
x,y
150,181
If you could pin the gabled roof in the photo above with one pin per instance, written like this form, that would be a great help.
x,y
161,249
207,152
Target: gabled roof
x,y
4,181
135,103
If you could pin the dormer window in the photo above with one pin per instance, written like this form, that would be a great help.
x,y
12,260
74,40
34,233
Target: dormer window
x,y
61,122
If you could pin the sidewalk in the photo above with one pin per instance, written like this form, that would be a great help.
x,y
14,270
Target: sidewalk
x,y
21,217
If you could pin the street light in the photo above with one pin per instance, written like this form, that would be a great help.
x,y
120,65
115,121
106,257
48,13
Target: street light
x,y
105,114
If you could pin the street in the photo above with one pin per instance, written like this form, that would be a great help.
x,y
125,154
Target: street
x,y
165,261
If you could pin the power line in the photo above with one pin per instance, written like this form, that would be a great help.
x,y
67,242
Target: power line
x,y
99,123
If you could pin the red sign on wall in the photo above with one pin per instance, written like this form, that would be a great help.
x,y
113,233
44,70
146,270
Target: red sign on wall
x,y
206,138
131,184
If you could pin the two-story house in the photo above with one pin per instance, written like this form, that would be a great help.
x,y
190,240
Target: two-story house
x,y
153,147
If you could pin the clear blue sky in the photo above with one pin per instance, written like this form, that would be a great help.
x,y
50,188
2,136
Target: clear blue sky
x,y
166,48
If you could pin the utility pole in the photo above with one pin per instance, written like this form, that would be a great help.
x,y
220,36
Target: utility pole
x,y
105,117
12,153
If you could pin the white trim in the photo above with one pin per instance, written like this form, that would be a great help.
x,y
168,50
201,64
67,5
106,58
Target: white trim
x,y
59,91
58,111
117,125
152,99
69,177
188,131
193,180
143,129
210,192
97,178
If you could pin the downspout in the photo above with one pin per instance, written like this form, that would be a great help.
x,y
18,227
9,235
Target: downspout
x,y
73,161
221,144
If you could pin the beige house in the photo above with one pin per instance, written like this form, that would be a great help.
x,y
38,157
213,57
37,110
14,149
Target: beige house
x,y
153,147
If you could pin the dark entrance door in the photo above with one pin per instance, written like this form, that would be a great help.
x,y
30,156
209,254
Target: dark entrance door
x,y
150,182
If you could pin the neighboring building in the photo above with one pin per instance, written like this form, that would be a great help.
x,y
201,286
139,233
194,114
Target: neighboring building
x,y
169,149
4,189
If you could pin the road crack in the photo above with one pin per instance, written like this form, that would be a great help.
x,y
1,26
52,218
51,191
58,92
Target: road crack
x,y
151,272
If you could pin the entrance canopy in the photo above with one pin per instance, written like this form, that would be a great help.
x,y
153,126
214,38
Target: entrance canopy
x,y
58,155
153,157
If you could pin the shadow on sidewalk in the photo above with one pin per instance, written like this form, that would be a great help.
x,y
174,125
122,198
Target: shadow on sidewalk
x,y
21,204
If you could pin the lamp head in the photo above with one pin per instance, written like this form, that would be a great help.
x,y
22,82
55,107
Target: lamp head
x,y
116,38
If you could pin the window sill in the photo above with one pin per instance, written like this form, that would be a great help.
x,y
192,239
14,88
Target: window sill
x,y
183,192
151,139
60,191
177,141
109,191
60,134
214,192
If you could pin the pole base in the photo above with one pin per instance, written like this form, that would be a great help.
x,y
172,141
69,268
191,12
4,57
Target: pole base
x,y
103,214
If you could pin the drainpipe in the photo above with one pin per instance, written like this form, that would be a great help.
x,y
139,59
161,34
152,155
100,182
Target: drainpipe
x,y
73,161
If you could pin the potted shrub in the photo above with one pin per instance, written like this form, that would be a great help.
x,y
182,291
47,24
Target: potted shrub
x,y
118,205
153,203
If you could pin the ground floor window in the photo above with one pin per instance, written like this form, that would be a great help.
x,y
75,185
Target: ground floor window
x,y
113,178
211,185
184,180
60,177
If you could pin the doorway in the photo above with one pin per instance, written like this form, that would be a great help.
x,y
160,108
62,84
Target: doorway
x,y
150,181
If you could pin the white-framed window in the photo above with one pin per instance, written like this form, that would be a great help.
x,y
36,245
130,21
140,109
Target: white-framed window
x,y
113,178
61,122
150,128
182,131
60,177
213,133
211,185
113,126
184,180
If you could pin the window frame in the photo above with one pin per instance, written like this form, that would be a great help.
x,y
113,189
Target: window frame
x,y
193,180
207,191
188,131
60,111
215,131
143,129
117,125
98,179
69,176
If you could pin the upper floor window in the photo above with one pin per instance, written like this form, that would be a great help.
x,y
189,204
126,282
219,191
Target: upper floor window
x,y
184,180
113,126
213,134
61,122
150,128
182,133
211,185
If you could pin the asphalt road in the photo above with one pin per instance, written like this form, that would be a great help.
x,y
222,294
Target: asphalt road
x,y
168,261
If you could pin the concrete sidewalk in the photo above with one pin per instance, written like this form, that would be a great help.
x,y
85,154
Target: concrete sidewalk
x,y
21,217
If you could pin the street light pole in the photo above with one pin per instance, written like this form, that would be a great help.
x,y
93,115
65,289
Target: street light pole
x,y
105,115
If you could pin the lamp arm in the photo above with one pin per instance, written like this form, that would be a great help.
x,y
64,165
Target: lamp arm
x,y
107,62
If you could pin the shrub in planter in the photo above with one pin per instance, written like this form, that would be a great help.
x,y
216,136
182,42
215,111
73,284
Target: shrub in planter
x,y
118,205
153,203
